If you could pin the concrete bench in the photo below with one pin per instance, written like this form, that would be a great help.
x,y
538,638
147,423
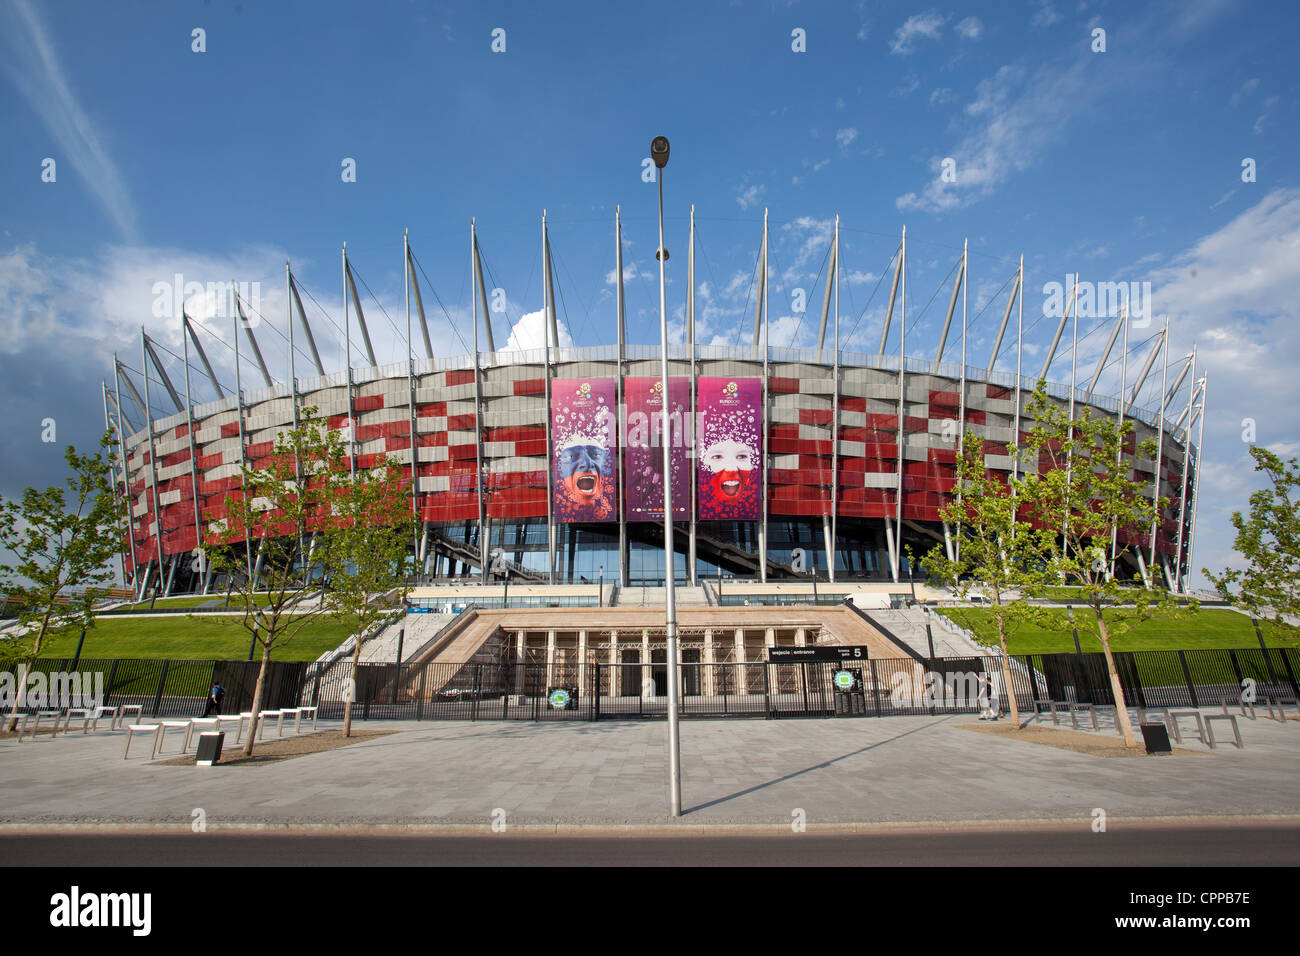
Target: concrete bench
x,y
1209,729
81,713
1281,706
261,719
167,725
104,711
36,724
1172,718
123,709
1247,707
199,725
303,711
1050,706
1090,709
19,722
133,729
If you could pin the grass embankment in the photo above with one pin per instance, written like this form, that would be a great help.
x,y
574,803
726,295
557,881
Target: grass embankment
x,y
188,637
1206,629
213,602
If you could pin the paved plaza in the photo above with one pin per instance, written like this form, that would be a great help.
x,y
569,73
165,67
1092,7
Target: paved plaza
x,y
836,771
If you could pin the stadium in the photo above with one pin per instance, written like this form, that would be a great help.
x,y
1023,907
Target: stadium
x,y
544,466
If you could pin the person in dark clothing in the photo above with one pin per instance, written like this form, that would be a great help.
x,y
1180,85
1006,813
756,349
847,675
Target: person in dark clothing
x,y
215,696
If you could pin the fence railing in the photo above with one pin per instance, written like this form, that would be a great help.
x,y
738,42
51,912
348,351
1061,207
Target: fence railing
x,y
575,690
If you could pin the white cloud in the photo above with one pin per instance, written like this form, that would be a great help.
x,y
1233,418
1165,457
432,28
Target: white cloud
x,y
1246,89
530,333
749,196
911,83
942,96
970,28
1014,118
845,136
32,65
920,26
1046,15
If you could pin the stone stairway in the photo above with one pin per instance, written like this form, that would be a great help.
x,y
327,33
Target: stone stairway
x,y
658,597
908,625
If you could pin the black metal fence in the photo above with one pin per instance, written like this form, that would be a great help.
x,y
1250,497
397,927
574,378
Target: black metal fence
x,y
489,690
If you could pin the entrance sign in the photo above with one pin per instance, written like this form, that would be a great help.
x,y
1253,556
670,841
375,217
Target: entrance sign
x,y
786,655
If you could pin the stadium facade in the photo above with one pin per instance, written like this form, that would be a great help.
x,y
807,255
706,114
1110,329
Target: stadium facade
x,y
545,465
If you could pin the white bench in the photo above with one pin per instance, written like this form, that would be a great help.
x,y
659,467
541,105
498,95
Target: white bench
x,y
200,724
171,724
1171,720
261,719
19,721
241,717
81,712
303,711
133,729
103,710
122,712
1232,721
36,724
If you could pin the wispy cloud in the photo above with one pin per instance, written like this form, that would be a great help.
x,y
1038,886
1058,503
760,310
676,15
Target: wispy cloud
x,y
970,28
32,65
920,26
749,196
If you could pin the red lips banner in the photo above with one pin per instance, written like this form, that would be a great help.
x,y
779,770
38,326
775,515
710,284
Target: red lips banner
x,y
730,449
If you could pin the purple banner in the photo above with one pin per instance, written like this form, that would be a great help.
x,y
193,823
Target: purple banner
x,y
584,479
730,448
644,451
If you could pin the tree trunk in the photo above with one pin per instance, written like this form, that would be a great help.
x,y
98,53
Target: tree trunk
x,y
1010,687
1121,708
258,692
352,687
12,720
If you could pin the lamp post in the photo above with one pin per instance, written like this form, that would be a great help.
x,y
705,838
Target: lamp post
x,y
659,153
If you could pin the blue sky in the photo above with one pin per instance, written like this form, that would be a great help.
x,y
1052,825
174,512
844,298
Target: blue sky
x,y
1121,165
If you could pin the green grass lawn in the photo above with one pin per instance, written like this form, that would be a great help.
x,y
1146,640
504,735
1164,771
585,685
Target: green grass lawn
x,y
187,636
190,601
1207,628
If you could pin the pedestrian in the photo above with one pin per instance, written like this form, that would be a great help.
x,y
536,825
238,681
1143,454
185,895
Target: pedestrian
x,y
215,696
988,707
995,711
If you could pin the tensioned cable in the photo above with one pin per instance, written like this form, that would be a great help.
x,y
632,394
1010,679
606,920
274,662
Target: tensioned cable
x,y
862,314
438,299
937,289
393,325
816,283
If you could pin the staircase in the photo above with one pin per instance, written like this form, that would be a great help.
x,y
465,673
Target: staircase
x,y
907,626
658,597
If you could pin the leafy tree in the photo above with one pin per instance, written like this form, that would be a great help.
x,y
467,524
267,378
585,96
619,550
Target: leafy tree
x,y
994,553
1085,495
1269,540
275,538
60,540
372,554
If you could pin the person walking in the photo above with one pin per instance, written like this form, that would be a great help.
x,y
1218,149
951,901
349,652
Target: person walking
x,y
215,696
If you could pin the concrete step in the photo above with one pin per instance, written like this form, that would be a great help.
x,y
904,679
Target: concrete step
x,y
658,597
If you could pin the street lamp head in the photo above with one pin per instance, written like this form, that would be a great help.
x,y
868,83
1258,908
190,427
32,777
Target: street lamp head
x,y
659,151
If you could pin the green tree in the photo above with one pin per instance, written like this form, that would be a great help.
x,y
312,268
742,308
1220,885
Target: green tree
x,y
275,539
371,546
59,540
1084,492
1269,540
994,554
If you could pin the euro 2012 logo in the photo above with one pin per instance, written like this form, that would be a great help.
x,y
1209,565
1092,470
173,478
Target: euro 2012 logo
x,y
730,390
657,389
584,390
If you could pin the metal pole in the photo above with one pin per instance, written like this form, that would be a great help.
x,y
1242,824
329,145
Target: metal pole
x,y
895,558
766,393
670,579
622,473
483,527
1182,497
1160,444
120,421
1196,489
688,433
1119,454
835,418
194,464
239,416
153,471
546,412
347,355
961,397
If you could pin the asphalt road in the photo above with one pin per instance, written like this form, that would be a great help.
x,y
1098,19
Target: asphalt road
x,y
1130,844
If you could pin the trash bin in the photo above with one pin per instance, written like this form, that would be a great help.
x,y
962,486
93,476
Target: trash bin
x,y
209,748
1156,736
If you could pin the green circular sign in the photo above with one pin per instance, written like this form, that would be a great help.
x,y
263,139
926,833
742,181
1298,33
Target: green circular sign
x,y
844,680
559,699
